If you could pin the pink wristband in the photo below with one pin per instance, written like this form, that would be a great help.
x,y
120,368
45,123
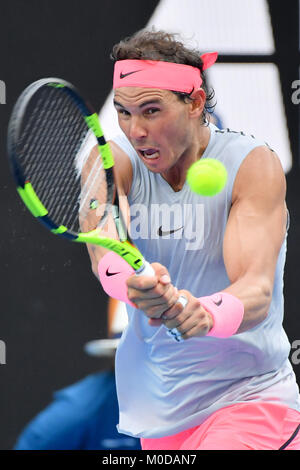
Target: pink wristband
x,y
113,273
227,312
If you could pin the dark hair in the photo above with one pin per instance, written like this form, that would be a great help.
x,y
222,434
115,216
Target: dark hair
x,y
160,45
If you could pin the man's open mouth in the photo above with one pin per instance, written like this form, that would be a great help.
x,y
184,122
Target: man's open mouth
x,y
149,153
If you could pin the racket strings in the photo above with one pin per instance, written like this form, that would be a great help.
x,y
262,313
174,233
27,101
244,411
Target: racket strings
x,y
44,134
51,139
66,184
94,191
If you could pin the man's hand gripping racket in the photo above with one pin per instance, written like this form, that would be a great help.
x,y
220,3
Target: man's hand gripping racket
x,y
68,188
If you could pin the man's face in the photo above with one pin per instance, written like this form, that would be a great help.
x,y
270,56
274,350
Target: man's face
x,y
156,123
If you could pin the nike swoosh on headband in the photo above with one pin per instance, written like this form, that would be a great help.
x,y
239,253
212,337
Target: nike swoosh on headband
x,y
160,74
161,233
123,75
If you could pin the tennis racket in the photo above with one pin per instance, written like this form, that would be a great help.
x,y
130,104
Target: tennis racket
x,y
63,168
65,186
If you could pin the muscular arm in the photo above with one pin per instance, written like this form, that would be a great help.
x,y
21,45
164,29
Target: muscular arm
x,y
123,179
254,234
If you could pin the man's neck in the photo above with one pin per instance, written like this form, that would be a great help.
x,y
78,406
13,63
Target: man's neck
x,y
176,175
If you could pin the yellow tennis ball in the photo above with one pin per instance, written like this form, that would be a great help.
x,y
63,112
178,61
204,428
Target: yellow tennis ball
x,y
207,177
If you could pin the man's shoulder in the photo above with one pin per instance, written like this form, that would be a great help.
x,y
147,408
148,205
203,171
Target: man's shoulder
x,y
232,147
121,142
239,137
261,173
123,169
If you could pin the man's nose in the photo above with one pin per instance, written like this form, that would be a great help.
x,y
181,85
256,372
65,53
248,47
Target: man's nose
x,y
137,129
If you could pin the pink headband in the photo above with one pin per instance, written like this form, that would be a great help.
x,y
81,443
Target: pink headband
x,y
160,74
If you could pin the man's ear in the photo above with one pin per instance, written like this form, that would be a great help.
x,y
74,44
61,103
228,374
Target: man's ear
x,y
197,105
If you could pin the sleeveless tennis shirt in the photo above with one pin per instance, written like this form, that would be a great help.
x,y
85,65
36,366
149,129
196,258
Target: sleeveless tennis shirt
x,y
165,387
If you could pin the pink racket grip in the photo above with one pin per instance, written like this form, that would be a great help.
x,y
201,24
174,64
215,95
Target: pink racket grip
x,y
113,273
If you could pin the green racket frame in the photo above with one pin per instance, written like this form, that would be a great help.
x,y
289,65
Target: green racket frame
x,y
125,247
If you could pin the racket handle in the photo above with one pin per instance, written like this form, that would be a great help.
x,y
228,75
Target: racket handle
x,y
145,270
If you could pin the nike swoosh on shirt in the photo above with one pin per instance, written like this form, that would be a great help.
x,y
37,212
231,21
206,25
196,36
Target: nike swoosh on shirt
x,y
162,232
123,75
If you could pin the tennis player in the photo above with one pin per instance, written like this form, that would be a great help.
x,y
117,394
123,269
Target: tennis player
x,y
214,374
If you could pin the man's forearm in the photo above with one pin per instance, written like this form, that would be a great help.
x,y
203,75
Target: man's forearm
x,y
255,293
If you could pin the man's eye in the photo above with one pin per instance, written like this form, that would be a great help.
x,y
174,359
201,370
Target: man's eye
x,y
151,110
123,112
